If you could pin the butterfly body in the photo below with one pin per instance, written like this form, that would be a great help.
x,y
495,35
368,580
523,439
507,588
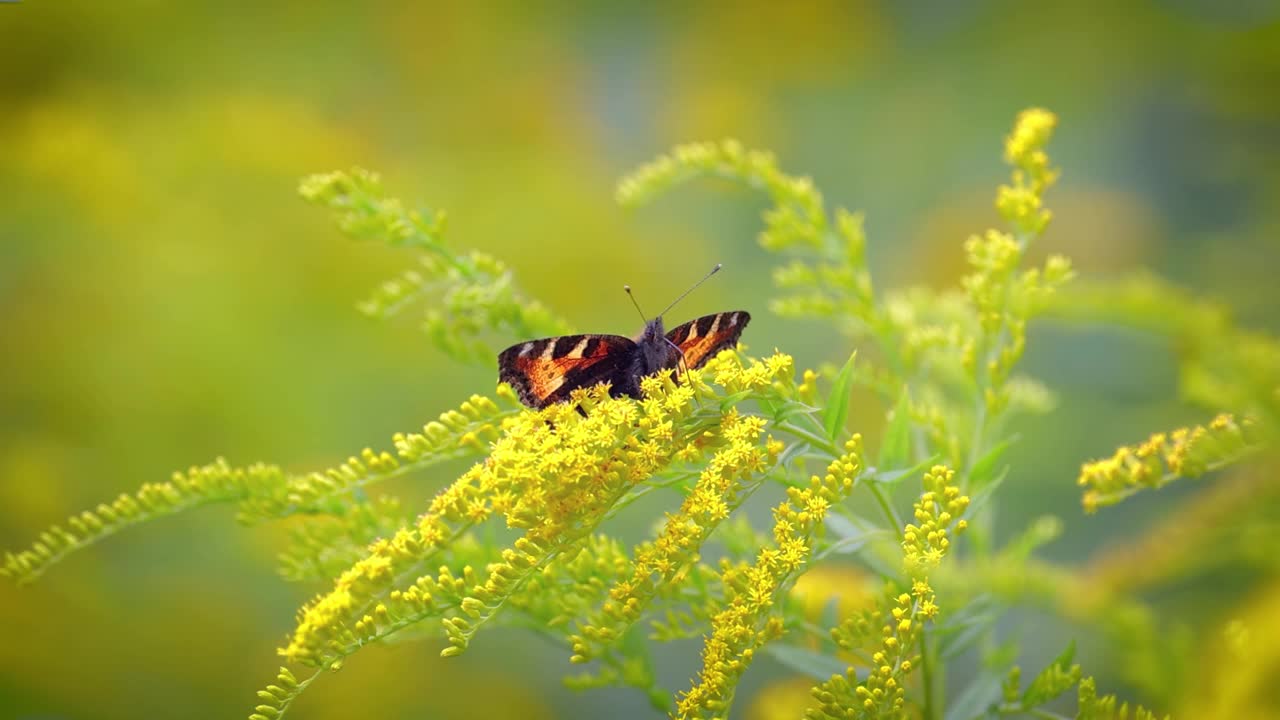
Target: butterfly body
x,y
654,353
546,371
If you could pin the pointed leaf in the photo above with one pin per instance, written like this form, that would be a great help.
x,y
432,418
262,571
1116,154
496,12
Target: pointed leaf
x,y
984,469
814,664
891,477
895,448
962,627
837,412
975,701
979,499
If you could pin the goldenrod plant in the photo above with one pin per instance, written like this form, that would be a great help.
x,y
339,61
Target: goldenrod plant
x,y
523,537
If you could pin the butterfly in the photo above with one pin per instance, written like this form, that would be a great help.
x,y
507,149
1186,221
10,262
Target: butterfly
x,y
545,371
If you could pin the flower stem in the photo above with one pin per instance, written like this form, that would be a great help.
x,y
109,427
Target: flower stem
x,y
926,676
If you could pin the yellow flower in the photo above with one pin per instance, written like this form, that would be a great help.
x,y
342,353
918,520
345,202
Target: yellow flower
x,y
940,506
882,694
730,476
744,623
1165,457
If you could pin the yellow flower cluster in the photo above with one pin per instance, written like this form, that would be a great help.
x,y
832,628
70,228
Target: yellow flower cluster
x,y
554,473
547,472
553,469
749,619
775,374
1165,457
883,694
339,622
1024,150
1003,297
1004,300
722,486
212,483
939,507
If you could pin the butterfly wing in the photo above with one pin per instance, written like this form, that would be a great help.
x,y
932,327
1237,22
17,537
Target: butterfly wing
x,y
702,338
544,372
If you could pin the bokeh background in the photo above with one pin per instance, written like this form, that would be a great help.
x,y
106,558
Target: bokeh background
x,y
165,297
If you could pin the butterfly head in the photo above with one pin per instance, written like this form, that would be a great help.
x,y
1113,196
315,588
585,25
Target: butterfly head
x,y
655,349
654,331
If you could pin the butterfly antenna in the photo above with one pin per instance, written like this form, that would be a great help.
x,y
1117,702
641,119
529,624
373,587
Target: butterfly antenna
x,y
714,270
643,317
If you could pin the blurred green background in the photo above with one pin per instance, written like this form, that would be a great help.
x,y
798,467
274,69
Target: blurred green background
x,y
165,297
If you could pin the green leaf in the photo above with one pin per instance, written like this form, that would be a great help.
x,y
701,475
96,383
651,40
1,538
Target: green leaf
x,y
984,469
980,498
847,527
848,543
1059,677
829,618
958,632
895,449
786,411
814,664
837,412
978,699
890,477
975,700
733,399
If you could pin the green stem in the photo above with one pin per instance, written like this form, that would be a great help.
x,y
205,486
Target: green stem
x,y
812,438
926,676
887,508
295,692
1033,712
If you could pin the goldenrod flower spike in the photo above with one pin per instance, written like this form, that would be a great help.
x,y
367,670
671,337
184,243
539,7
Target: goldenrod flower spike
x,y
924,543
1187,452
748,619
1004,296
553,473
729,478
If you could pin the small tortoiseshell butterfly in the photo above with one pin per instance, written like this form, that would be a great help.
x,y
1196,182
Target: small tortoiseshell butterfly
x,y
545,371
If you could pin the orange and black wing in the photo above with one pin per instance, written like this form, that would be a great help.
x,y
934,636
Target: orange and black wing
x,y
701,339
545,371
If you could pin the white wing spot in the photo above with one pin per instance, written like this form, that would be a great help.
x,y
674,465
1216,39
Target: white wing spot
x,y
524,349
715,324
550,351
581,347
733,319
